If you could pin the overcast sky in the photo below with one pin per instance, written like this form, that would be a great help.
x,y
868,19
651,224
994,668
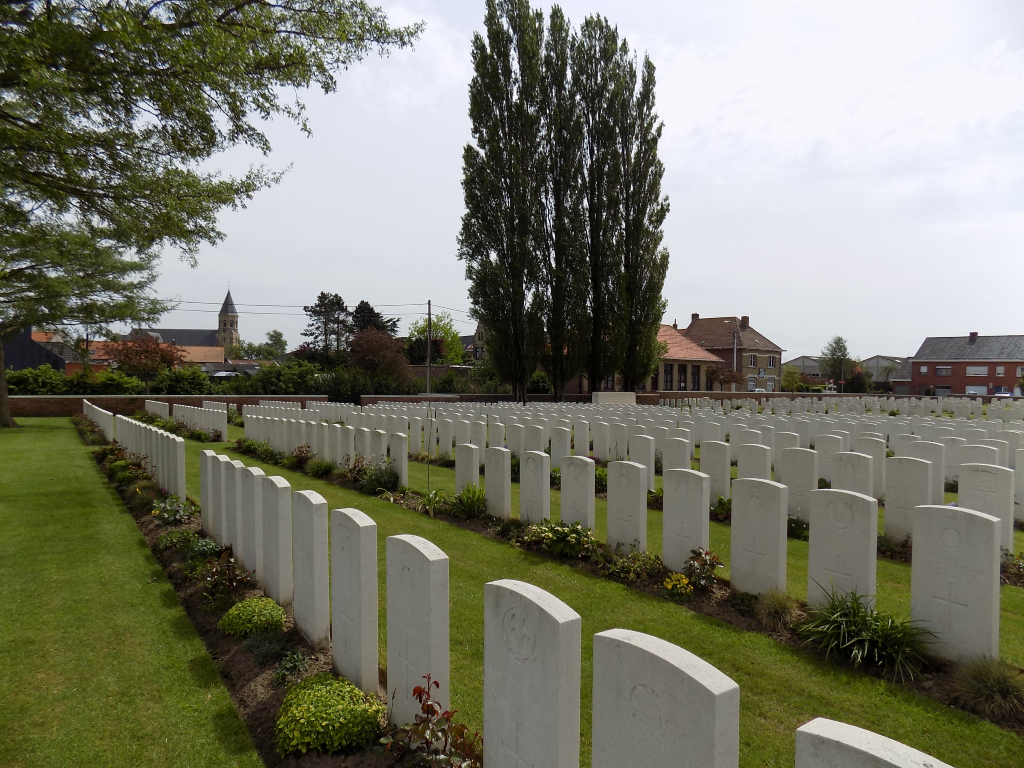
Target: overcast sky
x,y
851,169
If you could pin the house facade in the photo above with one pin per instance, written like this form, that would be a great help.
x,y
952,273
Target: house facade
x,y
807,365
971,365
744,349
684,368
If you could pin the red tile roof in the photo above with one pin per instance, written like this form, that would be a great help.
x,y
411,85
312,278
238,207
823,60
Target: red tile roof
x,y
681,348
716,333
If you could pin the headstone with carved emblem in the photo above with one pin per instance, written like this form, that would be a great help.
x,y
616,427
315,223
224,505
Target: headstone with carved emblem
x,y
354,597
660,706
578,474
758,536
627,505
531,678
954,580
843,539
534,487
685,524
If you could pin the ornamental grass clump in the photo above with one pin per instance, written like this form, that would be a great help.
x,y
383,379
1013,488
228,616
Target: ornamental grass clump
x,y
845,627
248,617
330,714
990,688
470,502
777,611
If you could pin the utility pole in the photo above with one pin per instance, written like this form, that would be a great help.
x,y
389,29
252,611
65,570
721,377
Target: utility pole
x,y
429,344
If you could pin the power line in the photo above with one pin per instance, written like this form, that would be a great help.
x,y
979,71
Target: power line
x,y
289,306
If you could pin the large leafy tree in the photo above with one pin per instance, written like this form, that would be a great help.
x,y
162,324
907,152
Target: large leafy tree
x,y
365,316
144,357
500,229
562,279
108,111
596,66
835,362
446,343
53,275
329,327
643,212
381,356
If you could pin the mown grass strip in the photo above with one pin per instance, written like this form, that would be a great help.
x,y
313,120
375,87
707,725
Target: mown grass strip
x,y
101,666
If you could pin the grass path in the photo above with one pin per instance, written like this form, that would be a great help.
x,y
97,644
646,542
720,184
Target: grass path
x,y
780,688
100,664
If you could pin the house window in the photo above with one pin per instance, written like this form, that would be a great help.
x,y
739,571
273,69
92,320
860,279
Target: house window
x,y
977,370
771,361
654,383
1020,370
1000,371
695,380
751,384
682,378
668,375
943,370
924,369
609,383
752,361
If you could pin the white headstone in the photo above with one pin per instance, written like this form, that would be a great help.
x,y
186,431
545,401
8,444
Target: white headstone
x,y
954,580
754,461
853,472
758,536
354,597
641,451
627,505
578,477
467,466
685,523
825,743
277,539
311,600
908,484
417,608
714,462
534,487
797,469
843,541
936,454
561,440
251,523
531,677
498,482
989,489
658,705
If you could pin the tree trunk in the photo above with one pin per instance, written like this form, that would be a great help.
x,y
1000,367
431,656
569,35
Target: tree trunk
x,y
5,401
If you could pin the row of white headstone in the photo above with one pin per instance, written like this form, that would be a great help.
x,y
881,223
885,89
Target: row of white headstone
x,y
955,570
206,419
161,409
337,443
651,698
163,453
101,418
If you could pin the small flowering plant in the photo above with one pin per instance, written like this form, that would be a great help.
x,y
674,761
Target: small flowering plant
x,y
678,587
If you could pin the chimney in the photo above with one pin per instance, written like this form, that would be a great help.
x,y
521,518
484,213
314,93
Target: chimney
x,y
973,337
744,322
694,317
675,325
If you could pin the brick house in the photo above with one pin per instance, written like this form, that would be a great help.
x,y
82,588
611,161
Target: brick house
x,y
684,367
743,349
972,365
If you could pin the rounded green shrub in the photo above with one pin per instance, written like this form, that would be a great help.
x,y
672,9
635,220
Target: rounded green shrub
x,y
257,614
327,713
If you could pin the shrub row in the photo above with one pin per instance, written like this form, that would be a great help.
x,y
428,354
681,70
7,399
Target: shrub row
x,y
178,427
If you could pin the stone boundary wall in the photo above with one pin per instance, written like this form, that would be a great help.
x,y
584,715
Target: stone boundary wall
x,y
126,405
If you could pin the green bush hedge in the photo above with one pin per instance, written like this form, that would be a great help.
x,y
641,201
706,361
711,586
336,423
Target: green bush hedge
x,y
257,614
330,714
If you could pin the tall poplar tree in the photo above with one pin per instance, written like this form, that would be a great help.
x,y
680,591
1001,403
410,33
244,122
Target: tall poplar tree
x,y
643,211
596,65
501,227
563,282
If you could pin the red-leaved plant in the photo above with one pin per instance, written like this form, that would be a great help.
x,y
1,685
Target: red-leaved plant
x,y
432,739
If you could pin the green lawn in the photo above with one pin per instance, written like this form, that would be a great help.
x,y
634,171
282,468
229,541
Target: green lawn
x,y
100,664
781,688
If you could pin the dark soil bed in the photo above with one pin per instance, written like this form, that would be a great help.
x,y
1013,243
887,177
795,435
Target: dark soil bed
x,y
256,695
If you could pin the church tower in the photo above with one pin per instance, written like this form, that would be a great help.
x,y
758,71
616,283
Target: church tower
x,y
227,329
